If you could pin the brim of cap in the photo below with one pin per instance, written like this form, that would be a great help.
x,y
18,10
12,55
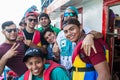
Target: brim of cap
x,y
28,56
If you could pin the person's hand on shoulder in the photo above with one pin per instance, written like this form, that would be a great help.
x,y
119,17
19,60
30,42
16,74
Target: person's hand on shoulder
x,y
87,44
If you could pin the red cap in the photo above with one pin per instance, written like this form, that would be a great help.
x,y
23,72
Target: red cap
x,y
32,14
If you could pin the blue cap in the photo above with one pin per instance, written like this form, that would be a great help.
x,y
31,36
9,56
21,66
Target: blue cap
x,y
73,9
31,52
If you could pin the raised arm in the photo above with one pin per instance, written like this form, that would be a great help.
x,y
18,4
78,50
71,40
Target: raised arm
x,y
30,44
88,41
9,54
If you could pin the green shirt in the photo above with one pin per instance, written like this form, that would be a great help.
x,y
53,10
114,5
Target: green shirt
x,y
55,29
57,74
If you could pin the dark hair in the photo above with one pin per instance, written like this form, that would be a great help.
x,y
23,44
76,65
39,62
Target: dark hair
x,y
71,21
48,29
6,24
22,22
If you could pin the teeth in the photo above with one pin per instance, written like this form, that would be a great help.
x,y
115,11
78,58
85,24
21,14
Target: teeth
x,y
71,36
36,70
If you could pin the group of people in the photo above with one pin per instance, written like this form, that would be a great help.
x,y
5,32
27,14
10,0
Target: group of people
x,y
41,53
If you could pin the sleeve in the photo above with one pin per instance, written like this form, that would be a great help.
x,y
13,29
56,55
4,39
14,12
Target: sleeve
x,y
59,74
98,57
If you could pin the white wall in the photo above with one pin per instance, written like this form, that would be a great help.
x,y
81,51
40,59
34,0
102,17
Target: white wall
x,y
92,14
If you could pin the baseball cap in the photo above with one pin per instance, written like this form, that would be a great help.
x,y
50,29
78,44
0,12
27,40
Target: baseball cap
x,y
43,15
73,9
32,14
31,52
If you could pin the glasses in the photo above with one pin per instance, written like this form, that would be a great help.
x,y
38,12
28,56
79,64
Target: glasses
x,y
30,20
10,30
69,14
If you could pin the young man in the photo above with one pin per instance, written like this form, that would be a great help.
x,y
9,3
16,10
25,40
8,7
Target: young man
x,y
93,67
32,37
45,21
66,47
50,36
38,70
11,51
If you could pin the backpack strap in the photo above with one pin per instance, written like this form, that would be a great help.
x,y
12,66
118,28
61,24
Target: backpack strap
x,y
75,52
26,75
47,72
52,66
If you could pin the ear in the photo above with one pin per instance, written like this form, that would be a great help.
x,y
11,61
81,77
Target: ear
x,y
81,27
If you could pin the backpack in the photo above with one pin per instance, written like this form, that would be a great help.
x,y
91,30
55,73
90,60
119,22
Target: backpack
x,y
47,72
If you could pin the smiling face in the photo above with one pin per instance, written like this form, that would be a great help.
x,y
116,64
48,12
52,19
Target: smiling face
x,y
31,22
50,37
72,32
35,65
10,32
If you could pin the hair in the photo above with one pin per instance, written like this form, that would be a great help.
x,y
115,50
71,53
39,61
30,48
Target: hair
x,y
71,21
7,24
48,29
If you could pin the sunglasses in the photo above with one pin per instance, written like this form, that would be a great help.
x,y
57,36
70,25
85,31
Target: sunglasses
x,y
10,30
35,20
69,14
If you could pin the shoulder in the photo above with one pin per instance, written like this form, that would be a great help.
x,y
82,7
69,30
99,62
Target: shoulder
x,y
61,35
58,69
60,73
55,29
4,48
39,29
21,77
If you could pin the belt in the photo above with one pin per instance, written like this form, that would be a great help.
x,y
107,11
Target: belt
x,y
85,69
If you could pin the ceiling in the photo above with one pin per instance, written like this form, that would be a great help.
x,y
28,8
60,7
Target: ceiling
x,y
56,13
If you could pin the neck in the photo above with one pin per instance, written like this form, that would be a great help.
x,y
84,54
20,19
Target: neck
x,y
30,30
46,26
81,36
41,74
10,42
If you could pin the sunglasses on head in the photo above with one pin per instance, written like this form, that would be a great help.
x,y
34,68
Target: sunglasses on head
x,y
69,14
30,20
10,30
